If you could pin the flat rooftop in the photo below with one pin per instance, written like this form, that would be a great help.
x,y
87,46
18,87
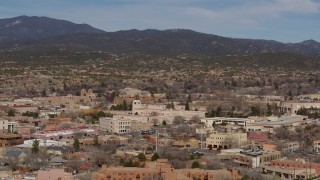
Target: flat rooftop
x,y
227,119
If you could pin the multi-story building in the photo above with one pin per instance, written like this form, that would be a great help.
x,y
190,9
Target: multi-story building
x,y
161,170
3,125
66,133
160,110
54,122
249,158
7,140
289,173
292,107
297,163
112,125
218,140
316,146
24,108
232,121
285,147
268,125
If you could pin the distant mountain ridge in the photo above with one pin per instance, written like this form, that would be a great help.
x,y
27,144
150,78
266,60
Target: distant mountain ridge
x,y
25,27
42,32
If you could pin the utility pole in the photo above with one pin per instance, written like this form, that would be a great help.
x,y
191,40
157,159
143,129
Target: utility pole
x,y
156,140
201,133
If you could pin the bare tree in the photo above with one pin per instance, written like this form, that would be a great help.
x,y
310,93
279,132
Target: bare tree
x,y
178,120
231,142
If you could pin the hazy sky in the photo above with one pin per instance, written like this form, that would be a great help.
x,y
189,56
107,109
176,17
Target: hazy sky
x,y
282,20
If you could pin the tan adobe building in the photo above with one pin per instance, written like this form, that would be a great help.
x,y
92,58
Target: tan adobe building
x,y
297,163
160,110
58,174
10,140
316,146
160,170
289,173
249,158
218,140
292,107
112,125
284,147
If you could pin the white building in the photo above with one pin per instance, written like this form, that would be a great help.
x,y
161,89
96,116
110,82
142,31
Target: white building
x,y
160,110
292,107
316,146
42,143
3,125
268,125
232,121
113,125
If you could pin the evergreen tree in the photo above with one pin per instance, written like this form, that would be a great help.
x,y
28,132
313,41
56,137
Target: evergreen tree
x,y
35,147
195,164
290,95
187,108
255,111
218,111
303,111
44,93
164,123
96,140
124,105
269,110
172,105
11,113
155,157
142,157
76,145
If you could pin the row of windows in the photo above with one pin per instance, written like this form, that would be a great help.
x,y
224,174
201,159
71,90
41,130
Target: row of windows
x,y
295,165
124,127
124,123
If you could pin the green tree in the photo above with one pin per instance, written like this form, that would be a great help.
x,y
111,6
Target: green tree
x,y
187,108
245,177
302,111
195,164
213,124
142,157
269,110
113,95
255,111
76,145
44,93
35,146
290,95
218,111
155,157
101,114
170,106
164,123
96,141
11,113
124,105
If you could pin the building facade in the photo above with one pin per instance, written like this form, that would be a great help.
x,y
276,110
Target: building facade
x,y
112,125
220,140
7,140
